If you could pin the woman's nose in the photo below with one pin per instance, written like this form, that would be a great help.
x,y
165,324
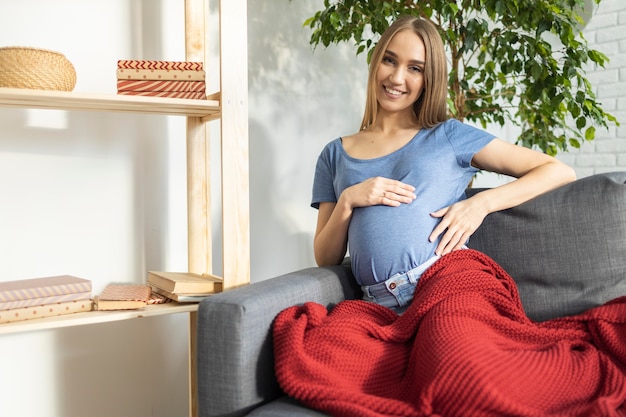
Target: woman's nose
x,y
397,76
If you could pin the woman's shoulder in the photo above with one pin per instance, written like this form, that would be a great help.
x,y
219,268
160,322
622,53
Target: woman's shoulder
x,y
453,128
333,144
452,123
348,141
464,137
332,149
353,137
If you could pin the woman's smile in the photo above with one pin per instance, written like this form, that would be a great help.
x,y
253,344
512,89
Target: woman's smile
x,y
393,91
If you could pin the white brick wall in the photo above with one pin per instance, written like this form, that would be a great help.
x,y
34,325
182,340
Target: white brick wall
x,y
606,32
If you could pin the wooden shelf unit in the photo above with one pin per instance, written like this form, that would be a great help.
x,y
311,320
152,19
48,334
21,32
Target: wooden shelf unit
x,y
95,317
61,100
230,106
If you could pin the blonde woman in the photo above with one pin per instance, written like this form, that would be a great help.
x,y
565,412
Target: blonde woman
x,y
394,191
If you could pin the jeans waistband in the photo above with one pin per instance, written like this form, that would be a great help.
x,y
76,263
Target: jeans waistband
x,y
398,290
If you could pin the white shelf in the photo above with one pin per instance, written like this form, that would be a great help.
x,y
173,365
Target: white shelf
x,y
94,317
63,100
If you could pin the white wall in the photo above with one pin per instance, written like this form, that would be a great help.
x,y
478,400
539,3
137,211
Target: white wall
x,y
300,99
102,195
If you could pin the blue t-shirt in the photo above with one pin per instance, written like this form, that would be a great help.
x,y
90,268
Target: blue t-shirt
x,y
384,240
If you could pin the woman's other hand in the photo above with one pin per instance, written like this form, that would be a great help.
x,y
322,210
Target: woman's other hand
x,y
458,222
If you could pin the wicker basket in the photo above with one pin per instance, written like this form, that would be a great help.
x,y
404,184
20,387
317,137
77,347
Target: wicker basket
x,y
37,69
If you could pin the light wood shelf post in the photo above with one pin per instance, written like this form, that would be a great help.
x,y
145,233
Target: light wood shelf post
x,y
234,130
233,48
198,150
198,179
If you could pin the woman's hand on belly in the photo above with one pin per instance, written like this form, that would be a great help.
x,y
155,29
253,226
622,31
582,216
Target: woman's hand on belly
x,y
379,191
333,219
458,222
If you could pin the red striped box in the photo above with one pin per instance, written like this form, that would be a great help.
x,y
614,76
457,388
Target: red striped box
x,y
168,85
170,94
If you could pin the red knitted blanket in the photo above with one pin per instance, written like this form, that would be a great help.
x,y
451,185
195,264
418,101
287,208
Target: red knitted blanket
x,y
463,348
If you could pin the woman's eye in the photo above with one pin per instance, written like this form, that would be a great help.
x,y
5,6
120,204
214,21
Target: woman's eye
x,y
388,60
416,69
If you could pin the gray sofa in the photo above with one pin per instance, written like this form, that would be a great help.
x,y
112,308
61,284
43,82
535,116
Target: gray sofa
x,y
566,250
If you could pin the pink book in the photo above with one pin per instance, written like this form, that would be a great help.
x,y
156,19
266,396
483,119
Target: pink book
x,y
40,301
126,292
26,289
50,310
123,297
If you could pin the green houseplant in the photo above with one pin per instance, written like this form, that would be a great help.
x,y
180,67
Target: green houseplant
x,y
518,60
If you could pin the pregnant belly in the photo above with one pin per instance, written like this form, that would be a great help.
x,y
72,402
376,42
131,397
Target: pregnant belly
x,y
388,240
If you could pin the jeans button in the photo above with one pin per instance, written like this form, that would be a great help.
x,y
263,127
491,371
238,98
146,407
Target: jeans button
x,y
392,286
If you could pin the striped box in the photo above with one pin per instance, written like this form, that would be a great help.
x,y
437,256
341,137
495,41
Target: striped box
x,y
170,94
166,85
147,64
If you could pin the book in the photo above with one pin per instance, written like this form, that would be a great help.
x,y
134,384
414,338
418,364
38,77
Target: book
x,y
123,297
160,74
41,311
39,301
194,95
160,85
149,64
158,299
181,298
26,289
185,282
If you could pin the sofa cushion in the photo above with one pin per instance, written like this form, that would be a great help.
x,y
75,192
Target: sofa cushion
x,y
566,249
285,407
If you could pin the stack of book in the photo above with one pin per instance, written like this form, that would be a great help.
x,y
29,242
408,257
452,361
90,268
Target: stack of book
x,y
172,79
184,286
44,297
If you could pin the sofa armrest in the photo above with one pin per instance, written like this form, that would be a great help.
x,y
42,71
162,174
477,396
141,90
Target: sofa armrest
x,y
235,360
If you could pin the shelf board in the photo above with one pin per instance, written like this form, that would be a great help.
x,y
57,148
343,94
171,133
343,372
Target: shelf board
x,y
63,100
94,317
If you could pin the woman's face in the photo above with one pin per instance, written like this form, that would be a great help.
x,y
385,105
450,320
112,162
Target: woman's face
x,y
400,75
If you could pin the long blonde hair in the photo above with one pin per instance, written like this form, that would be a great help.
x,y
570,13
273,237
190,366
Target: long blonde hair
x,y
431,107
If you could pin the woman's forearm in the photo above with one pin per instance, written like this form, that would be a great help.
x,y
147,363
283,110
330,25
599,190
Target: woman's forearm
x,y
537,181
331,239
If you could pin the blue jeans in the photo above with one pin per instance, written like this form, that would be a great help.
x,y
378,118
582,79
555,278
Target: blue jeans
x,y
397,291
